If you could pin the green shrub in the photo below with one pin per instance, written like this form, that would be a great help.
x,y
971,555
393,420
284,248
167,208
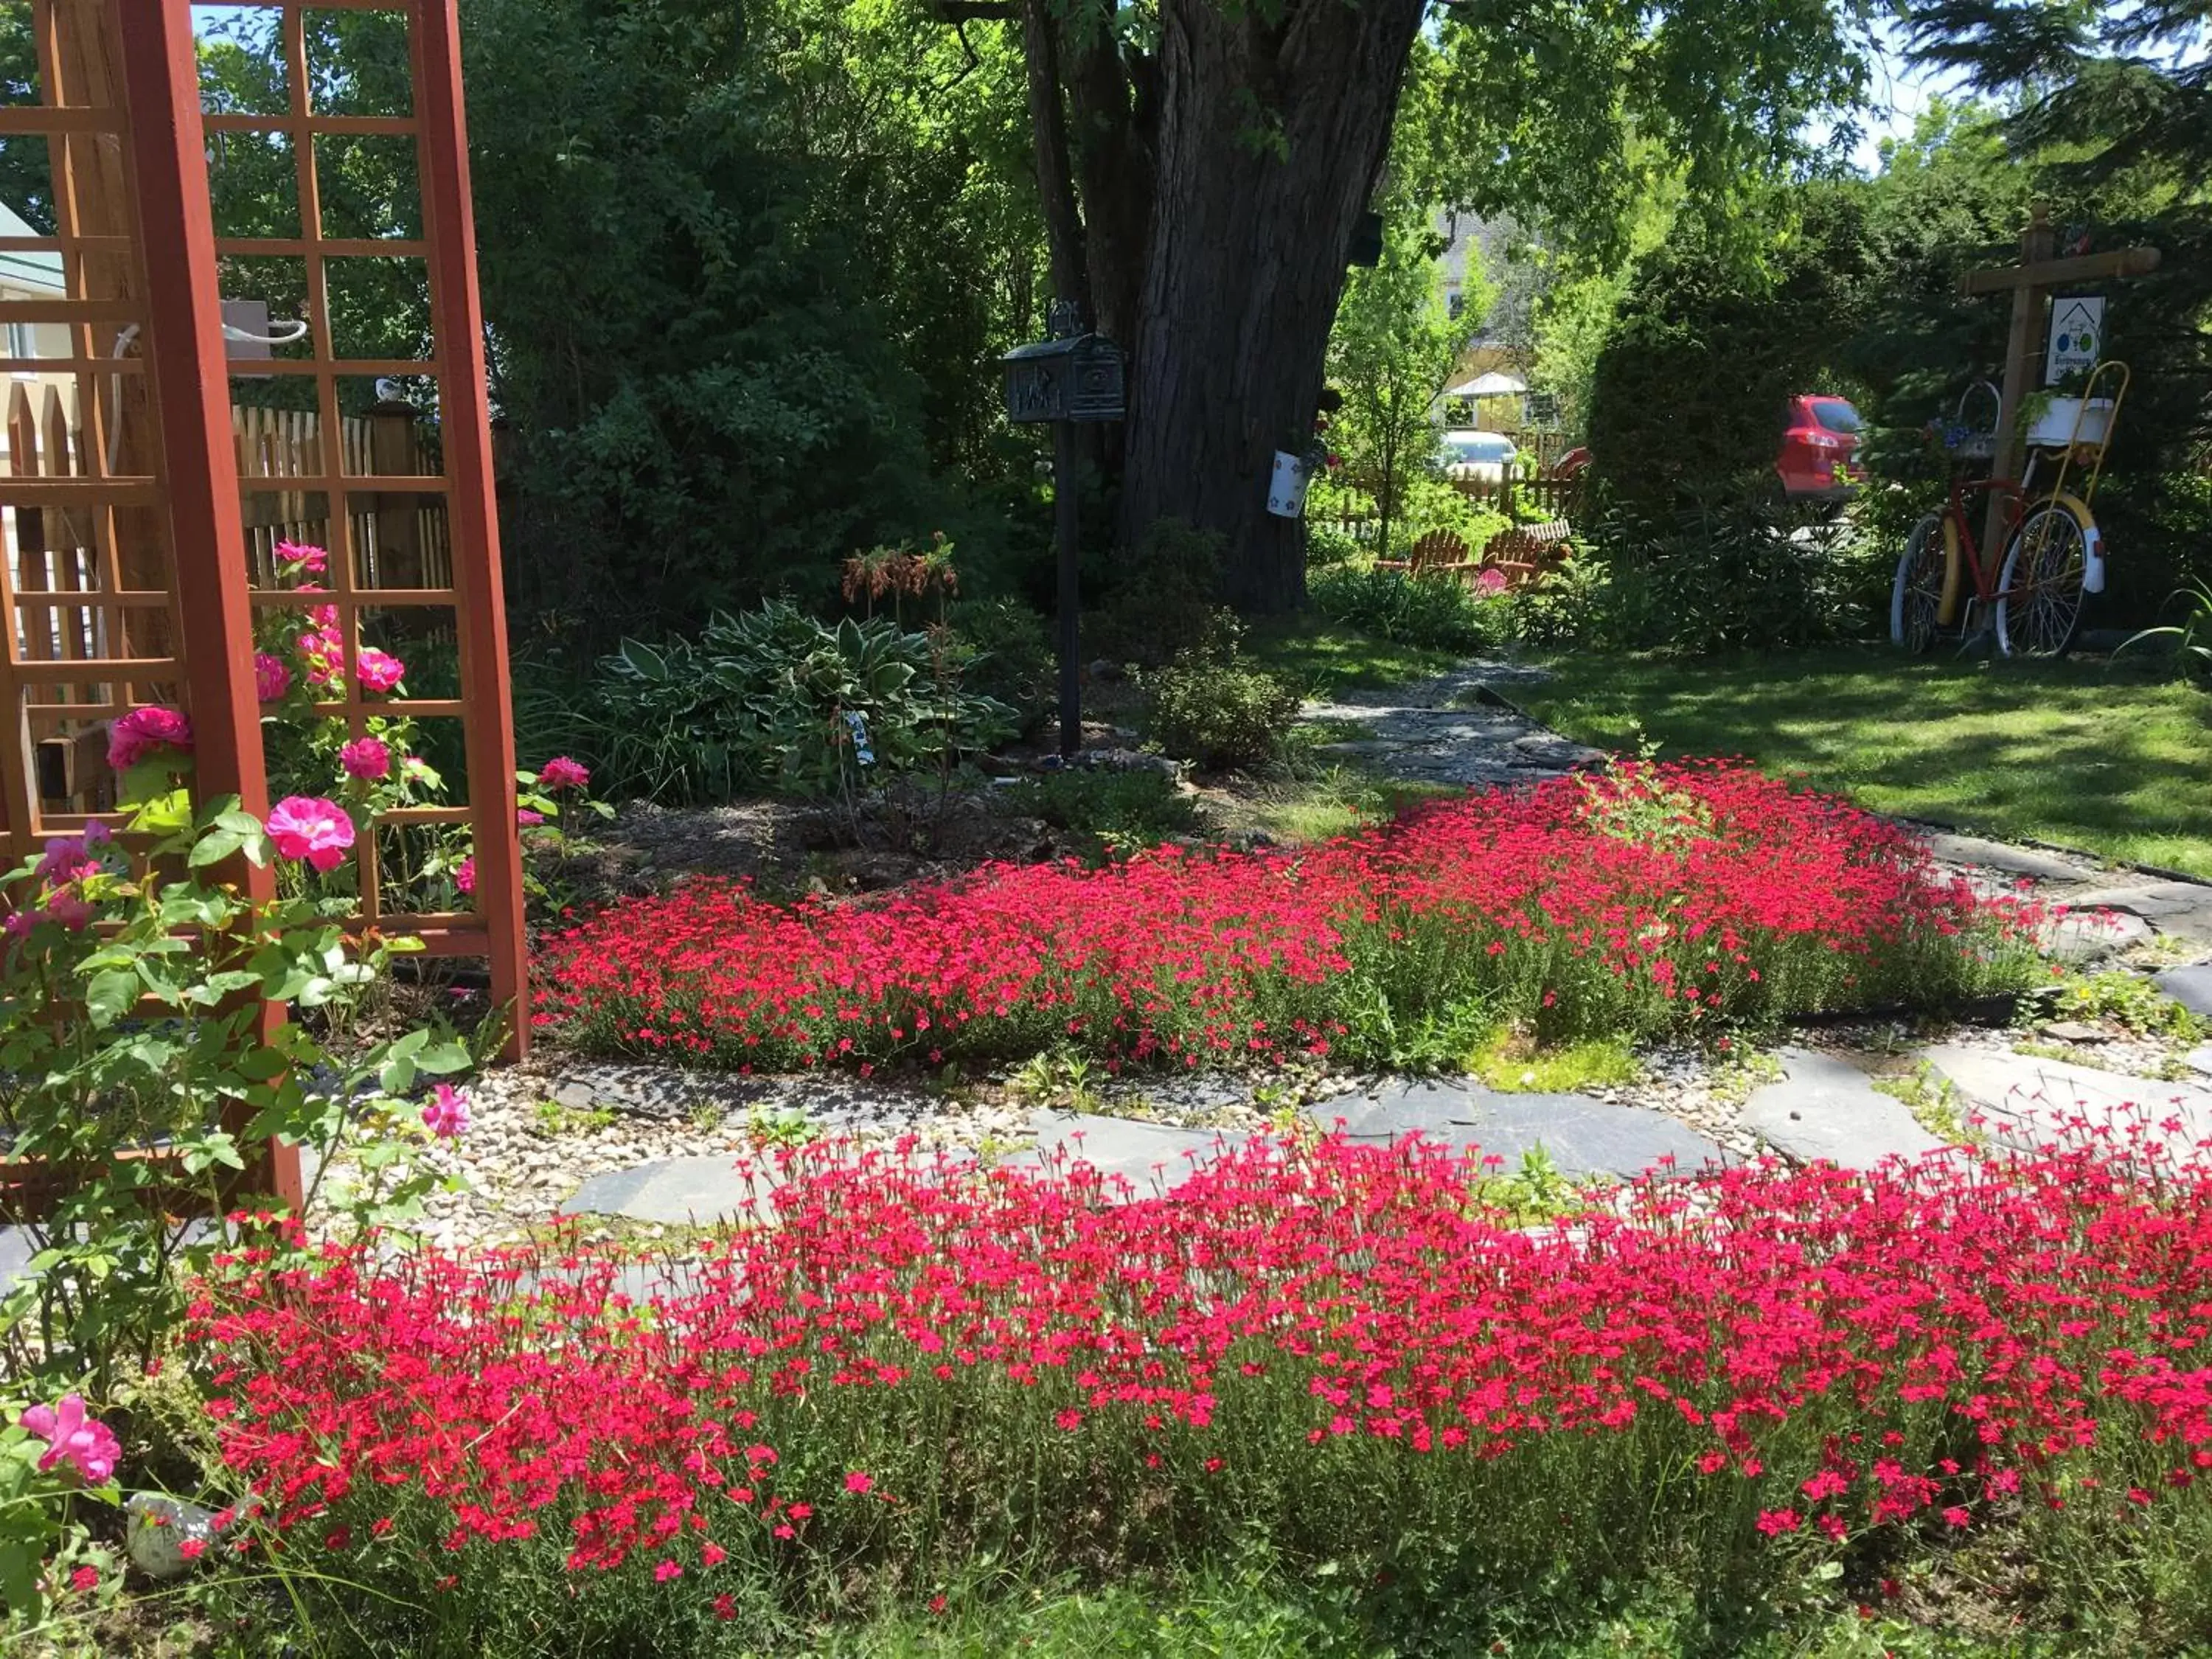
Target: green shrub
x,y
1441,611
1120,810
1213,706
1162,597
776,698
1713,577
1008,656
1328,545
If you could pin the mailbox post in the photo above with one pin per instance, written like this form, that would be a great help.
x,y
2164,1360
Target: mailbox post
x,y
1071,379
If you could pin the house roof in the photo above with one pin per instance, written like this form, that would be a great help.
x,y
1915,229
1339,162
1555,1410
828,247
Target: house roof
x,y
42,271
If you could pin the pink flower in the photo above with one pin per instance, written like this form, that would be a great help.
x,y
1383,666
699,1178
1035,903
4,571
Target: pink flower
x,y
367,759
447,1116
378,672
858,1482
1773,1523
71,908
526,817
323,651
712,1554
465,875
666,1570
74,1437
143,729
66,855
85,1580
302,557
1491,581
272,679
561,772
307,827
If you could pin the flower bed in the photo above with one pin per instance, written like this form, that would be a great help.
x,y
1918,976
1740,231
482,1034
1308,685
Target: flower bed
x,y
1648,899
1329,1353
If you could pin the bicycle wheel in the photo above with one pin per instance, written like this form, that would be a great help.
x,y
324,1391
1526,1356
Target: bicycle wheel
x,y
1917,595
2040,593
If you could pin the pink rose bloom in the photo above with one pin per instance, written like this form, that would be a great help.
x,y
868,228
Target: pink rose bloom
x,y
17,924
272,679
323,653
302,556
73,1438
561,772
379,673
325,616
465,875
526,817
71,908
306,827
366,758
447,1116
142,730
66,856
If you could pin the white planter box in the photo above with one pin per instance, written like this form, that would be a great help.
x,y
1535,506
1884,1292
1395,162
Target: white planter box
x,y
2055,428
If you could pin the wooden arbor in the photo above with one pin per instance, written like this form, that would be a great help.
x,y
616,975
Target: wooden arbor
x,y
125,578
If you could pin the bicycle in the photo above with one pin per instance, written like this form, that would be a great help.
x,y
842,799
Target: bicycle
x,y
2053,555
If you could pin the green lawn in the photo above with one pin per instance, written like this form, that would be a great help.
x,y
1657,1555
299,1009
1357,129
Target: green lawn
x,y
1321,658
2110,759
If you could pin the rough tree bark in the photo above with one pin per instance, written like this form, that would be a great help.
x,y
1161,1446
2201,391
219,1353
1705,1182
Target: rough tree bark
x,y
1221,179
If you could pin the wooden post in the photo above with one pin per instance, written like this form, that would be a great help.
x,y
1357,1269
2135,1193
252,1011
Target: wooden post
x,y
2031,282
198,464
1066,529
473,512
392,452
2038,242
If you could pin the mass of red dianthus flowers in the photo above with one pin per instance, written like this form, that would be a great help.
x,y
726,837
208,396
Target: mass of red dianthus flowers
x,y
1334,1333
1646,898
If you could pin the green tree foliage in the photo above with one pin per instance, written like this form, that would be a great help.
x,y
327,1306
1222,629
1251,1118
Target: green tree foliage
x,y
706,400
1689,389
1391,354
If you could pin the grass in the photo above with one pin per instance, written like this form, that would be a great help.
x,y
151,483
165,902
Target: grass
x,y
1323,657
2107,760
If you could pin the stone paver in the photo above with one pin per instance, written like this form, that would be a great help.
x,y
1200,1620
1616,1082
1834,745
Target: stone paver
x,y
2081,937
1825,1108
1135,1158
678,1192
2189,986
1437,732
2026,1101
1580,1136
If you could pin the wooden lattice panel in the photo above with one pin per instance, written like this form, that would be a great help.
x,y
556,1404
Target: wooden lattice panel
x,y
139,508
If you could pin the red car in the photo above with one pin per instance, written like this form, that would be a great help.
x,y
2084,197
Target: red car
x,y
1818,444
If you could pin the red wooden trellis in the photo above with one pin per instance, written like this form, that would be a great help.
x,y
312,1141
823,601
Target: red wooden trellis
x,y
123,577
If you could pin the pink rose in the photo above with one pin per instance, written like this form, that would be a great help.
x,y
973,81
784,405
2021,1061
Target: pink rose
x,y
526,818
144,729
272,679
447,1116
465,875
306,827
299,556
378,672
561,772
73,1438
323,653
65,856
367,759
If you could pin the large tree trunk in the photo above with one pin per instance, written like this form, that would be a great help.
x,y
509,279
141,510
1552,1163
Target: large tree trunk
x,y
1267,143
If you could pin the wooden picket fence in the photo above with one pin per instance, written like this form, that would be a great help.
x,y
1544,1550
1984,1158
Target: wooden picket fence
x,y
103,609
400,541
